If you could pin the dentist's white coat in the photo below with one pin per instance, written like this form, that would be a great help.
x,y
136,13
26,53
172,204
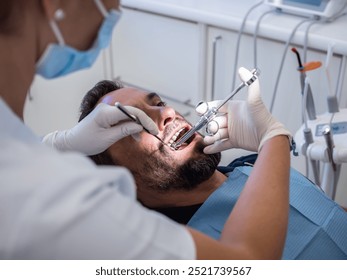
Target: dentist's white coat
x,y
61,206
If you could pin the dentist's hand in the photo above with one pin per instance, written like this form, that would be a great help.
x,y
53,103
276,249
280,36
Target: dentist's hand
x,y
245,124
104,126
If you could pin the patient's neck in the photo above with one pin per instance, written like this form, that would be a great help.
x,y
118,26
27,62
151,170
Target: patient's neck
x,y
177,198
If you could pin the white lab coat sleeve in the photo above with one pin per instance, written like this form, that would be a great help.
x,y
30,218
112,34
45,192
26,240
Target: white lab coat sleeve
x,y
61,206
64,207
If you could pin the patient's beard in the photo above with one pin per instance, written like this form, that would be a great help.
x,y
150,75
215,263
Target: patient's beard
x,y
161,173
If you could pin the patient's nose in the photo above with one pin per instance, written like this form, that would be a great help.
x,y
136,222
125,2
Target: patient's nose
x,y
167,115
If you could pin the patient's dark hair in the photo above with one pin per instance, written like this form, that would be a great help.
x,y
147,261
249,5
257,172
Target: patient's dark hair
x,y
89,102
92,97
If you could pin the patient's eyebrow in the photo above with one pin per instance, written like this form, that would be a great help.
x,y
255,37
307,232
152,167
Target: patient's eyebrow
x,y
152,95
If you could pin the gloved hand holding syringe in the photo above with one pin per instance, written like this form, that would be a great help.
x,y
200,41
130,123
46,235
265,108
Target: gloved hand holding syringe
x,y
212,112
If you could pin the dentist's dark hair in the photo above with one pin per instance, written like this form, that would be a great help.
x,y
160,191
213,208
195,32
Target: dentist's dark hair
x,y
89,102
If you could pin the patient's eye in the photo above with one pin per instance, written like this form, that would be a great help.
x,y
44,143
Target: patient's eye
x,y
154,99
161,103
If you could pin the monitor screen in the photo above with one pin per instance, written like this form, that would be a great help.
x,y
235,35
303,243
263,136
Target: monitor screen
x,y
317,5
308,2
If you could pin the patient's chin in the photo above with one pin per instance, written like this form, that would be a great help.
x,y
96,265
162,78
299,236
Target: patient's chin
x,y
173,170
198,169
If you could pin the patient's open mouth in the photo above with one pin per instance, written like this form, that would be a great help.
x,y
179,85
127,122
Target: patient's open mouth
x,y
178,135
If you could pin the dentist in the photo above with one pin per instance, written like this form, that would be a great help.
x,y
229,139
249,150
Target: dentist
x,y
59,205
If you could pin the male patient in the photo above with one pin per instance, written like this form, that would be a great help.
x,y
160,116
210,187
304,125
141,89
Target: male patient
x,y
186,185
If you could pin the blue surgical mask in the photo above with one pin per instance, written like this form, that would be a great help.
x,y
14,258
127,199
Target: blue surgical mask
x,y
59,59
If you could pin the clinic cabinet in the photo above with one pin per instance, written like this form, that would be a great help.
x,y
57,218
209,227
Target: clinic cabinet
x,y
159,54
54,104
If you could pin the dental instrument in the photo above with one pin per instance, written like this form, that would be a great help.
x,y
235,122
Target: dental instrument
x,y
309,107
333,104
330,145
308,136
211,113
311,111
288,42
134,119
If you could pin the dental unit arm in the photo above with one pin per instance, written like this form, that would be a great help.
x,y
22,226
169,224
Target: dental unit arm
x,y
329,146
211,113
322,138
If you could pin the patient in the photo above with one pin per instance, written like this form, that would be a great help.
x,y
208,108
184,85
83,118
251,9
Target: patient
x,y
187,186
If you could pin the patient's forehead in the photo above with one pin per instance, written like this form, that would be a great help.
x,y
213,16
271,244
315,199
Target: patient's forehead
x,y
126,96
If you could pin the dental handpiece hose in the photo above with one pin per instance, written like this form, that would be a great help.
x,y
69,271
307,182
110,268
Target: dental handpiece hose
x,y
330,145
212,112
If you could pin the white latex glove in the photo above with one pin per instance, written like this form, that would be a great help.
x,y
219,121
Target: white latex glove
x,y
245,124
104,126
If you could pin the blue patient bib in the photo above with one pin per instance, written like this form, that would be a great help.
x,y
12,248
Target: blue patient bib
x,y
317,225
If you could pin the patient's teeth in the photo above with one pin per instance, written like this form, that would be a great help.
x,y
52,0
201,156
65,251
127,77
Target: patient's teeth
x,y
174,137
